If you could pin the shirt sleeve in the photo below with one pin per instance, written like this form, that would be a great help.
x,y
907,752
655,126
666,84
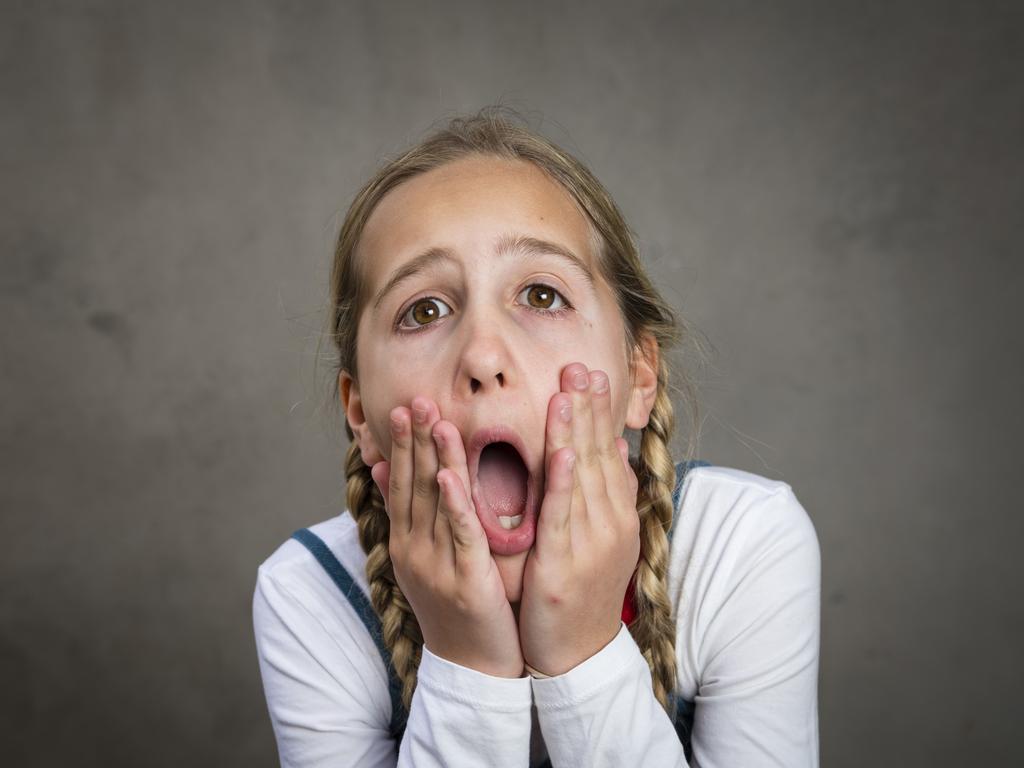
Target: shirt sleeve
x,y
329,704
603,712
755,636
461,717
319,684
753,629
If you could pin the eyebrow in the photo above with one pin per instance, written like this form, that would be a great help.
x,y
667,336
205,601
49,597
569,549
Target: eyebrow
x,y
506,245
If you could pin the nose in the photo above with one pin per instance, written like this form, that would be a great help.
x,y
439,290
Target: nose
x,y
485,362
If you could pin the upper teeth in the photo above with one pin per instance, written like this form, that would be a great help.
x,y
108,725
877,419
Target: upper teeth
x,y
509,521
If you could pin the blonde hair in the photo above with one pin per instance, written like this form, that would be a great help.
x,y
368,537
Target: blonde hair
x,y
498,131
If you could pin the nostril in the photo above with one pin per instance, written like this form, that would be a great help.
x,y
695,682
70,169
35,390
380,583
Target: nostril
x,y
474,385
501,379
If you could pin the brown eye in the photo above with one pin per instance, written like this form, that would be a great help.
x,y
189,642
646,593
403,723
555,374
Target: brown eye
x,y
424,312
543,297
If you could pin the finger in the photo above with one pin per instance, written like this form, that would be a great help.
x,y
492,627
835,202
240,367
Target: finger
x,y
471,551
379,472
616,483
423,509
444,540
554,537
558,426
451,454
590,491
623,447
400,472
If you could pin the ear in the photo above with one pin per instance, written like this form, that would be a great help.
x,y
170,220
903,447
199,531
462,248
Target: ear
x,y
350,398
645,382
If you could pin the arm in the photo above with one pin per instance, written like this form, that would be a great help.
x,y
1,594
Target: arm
x,y
328,698
598,707
756,627
472,705
603,713
752,629
461,717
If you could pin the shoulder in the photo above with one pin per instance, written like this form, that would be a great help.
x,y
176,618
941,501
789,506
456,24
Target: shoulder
x,y
293,564
729,510
319,597
322,671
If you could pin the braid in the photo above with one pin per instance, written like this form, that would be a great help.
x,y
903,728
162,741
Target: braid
x,y
654,626
398,623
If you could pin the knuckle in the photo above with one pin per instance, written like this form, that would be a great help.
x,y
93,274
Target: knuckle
x,y
607,532
464,600
400,567
418,568
394,487
396,552
552,597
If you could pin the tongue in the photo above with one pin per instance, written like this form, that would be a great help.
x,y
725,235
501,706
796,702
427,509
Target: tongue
x,y
502,477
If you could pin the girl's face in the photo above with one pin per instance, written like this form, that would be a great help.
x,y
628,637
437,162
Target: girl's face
x,y
482,285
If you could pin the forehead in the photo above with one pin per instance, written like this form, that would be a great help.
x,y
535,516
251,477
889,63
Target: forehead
x,y
466,205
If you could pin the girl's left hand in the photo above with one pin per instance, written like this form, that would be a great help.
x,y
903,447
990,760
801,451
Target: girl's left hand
x,y
588,532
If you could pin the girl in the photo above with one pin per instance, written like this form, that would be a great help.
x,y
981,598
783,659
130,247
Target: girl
x,y
508,587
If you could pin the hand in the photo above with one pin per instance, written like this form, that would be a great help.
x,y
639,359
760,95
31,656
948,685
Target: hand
x,y
588,533
440,553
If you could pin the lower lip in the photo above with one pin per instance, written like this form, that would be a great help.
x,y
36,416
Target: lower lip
x,y
503,541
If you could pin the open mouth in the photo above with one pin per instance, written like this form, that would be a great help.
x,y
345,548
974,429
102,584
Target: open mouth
x,y
504,490
502,478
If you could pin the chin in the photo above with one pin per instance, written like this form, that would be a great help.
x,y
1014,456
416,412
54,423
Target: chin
x,y
511,568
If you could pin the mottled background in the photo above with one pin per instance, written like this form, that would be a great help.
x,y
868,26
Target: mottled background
x,y
832,192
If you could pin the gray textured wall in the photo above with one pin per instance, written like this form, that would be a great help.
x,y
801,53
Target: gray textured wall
x,y
832,192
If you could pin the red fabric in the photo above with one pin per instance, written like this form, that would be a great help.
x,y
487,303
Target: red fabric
x,y
628,604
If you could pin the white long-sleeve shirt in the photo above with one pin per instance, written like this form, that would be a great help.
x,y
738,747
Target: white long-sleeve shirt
x,y
744,580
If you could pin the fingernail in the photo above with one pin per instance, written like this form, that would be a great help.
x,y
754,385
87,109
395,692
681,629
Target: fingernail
x,y
439,438
566,412
600,383
396,426
571,462
581,381
420,415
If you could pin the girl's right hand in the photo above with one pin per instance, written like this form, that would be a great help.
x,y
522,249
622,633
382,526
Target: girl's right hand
x,y
440,554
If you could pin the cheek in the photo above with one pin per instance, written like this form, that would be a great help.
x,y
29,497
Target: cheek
x,y
377,407
620,403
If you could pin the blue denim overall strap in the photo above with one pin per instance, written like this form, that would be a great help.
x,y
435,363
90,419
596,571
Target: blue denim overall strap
x,y
364,610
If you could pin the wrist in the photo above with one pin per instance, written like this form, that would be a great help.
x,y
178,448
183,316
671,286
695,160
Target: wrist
x,y
552,665
535,674
469,660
